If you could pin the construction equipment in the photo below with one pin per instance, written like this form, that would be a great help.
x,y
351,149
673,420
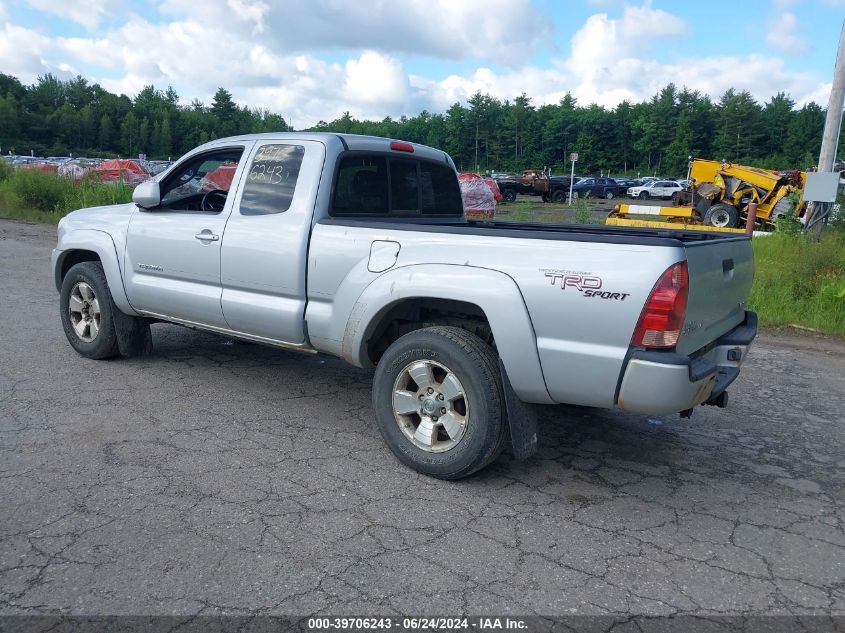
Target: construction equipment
x,y
719,195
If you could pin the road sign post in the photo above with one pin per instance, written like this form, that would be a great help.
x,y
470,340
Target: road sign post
x,y
573,158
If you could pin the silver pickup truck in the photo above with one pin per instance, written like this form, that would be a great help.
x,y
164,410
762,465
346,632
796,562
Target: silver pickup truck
x,y
357,247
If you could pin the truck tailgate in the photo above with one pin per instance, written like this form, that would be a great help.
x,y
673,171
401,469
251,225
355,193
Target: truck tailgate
x,y
720,276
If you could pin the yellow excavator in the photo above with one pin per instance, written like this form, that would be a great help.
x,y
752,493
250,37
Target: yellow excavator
x,y
717,198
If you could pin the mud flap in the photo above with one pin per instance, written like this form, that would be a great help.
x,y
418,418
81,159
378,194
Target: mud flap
x,y
133,334
522,420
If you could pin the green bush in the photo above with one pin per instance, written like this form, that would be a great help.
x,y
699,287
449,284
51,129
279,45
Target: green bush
x,y
50,193
93,193
800,281
6,170
40,189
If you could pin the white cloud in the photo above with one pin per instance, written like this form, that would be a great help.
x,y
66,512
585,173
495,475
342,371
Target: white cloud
x,y
22,51
88,13
236,44
610,61
782,34
376,79
504,31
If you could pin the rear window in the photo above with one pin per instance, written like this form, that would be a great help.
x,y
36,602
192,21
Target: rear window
x,y
374,185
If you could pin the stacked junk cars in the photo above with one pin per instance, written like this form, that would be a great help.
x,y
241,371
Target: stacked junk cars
x,y
129,172
480,196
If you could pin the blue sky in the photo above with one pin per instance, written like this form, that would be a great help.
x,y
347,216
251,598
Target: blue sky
x,y
312,60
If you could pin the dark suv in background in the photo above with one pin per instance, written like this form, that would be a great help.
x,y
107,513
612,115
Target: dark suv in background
x,y
597,188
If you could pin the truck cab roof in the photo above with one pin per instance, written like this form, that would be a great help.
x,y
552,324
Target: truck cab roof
x,y
337,142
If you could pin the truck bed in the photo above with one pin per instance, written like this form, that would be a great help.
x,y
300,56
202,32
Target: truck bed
x,y
534,230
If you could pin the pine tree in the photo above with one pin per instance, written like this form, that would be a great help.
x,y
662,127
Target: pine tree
x,y
165,140
225,112
739,128
129,135
776,117
804,137
104,139
144,136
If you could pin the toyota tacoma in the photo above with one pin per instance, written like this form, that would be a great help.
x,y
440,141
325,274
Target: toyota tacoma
x,y
357,247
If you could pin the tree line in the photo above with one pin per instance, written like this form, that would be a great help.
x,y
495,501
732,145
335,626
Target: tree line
x,y
57,117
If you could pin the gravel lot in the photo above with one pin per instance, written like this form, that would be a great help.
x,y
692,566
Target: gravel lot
x,y
218,475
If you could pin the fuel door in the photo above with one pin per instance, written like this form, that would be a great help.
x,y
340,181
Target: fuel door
x,y
383,255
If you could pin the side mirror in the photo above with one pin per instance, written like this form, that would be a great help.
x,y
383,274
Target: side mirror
x,y
147,195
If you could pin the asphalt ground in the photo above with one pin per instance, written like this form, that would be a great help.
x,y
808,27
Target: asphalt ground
x,y
219,476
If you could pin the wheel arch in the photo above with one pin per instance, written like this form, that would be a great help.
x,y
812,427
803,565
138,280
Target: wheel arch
x,y
478,299
91,245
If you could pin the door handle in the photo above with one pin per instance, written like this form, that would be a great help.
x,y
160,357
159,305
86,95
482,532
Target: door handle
x,y
207,236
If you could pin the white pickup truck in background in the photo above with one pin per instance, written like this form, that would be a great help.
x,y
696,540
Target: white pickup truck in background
x,y
357,247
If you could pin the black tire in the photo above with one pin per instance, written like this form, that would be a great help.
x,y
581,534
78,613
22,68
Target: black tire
x,y
104,343
559,196
643,195
722,215
575,195
475,365
509,195
608,195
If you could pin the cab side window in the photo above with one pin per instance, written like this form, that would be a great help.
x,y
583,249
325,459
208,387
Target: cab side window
x,y
202,183
271,181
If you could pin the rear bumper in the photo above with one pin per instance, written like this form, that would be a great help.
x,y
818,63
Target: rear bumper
x,y
657,383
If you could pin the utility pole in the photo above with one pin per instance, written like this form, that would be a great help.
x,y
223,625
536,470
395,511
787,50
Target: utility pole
x,y
834,110
830,139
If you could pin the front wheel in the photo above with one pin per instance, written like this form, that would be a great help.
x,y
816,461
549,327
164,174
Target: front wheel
x,y
87,311
437,395
559,196
509,195
722,216
608,195
643,195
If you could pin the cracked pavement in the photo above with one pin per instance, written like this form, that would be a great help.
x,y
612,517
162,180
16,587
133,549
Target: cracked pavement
x,y
220,476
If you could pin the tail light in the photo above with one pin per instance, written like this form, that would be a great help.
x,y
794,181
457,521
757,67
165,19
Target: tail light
x,y
663,316
398,146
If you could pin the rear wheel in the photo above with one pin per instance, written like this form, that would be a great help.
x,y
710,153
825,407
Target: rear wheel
x,y
721,216
609,195
437,394
87,311
509,195
559,196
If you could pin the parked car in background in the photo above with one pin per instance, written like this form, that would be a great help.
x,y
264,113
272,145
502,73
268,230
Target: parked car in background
x,y
512,184
655,189
627,183
596,188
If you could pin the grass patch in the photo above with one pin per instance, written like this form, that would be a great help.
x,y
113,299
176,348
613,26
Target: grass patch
x,y
799,281
37,196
